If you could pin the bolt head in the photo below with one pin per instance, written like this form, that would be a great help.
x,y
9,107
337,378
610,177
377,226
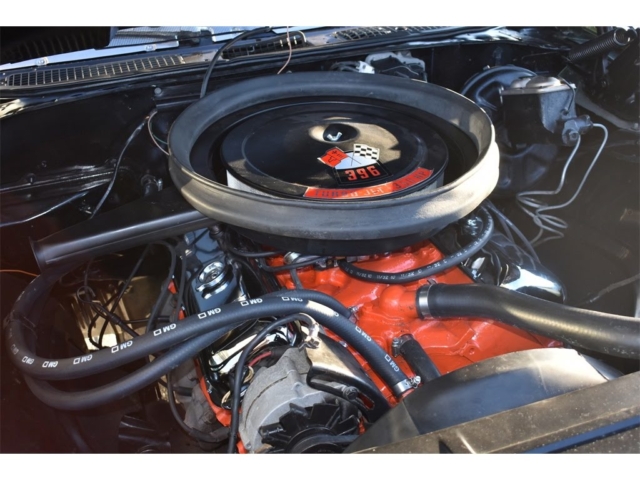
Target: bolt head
x,y
350,393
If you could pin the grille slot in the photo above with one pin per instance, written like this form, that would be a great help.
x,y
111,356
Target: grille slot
x,y
371,32
53,76
270,45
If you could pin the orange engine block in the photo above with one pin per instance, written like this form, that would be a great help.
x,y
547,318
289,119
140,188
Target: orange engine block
x,y
386,312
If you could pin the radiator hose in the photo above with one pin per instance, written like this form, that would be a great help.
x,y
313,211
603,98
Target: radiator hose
x,y
614,335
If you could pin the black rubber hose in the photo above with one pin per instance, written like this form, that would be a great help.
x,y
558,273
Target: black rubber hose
x,y
417,358
614,335
96,362
428,270
141,346
227,317
379,361
239,374
314,296
124,387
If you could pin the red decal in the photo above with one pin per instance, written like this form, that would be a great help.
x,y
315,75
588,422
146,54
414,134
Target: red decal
x,y
333,157
417,176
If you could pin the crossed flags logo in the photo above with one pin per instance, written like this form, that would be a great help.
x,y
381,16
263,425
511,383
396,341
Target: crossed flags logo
x,y
361,156
365,151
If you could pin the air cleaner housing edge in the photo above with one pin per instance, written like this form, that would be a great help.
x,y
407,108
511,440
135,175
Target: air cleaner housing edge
x,y
339,227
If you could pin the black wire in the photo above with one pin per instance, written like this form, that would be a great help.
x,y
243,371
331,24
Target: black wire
x,y
227,45
151,116
241,253
92,279
111,317
160,39
85,284
239,373
525,242
48,210
133,135
505,228
296,279
93,320
184,391
83,291
609,289
161,319
181,288
221,365
495,260
294,265
108,315
192,432
194,243
72,428
103,329
122,291
237,337
567,109
199,237
164,288
227,245
254,273
446,263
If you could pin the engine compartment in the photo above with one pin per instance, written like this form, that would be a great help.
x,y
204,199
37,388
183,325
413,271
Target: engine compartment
x,y
388,312
321,260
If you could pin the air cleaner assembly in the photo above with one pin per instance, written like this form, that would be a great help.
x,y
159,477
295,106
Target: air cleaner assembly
x,y
334,163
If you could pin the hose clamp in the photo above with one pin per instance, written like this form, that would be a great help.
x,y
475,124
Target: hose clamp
x,y
401,387
422,301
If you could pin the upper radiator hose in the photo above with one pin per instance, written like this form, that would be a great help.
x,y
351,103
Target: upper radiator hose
x,y
601,332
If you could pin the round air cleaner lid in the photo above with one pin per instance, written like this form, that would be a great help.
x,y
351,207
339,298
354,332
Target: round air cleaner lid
x,y
274,157
334,151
